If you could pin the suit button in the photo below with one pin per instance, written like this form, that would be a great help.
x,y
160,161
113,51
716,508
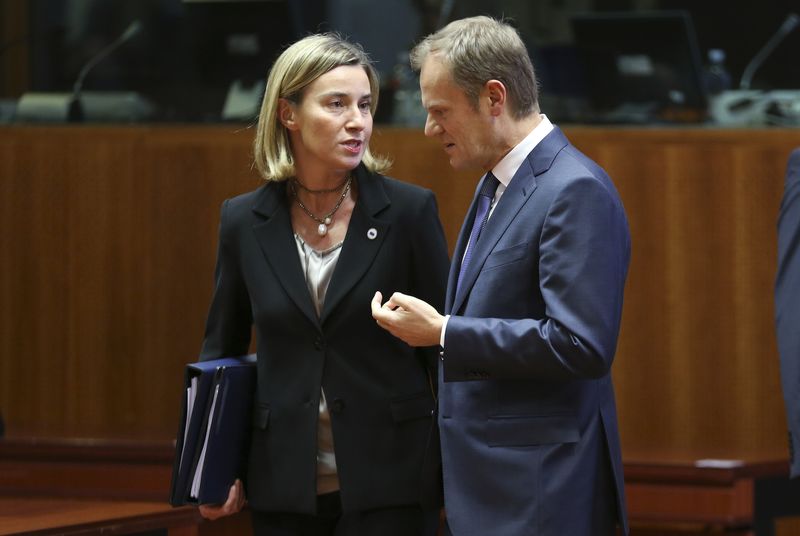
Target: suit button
x,y
319,344
337,405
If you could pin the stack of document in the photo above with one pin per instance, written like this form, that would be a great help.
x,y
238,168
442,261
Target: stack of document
x,y
214,430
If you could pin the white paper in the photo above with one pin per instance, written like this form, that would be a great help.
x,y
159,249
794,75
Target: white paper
x,y
198,472
191,394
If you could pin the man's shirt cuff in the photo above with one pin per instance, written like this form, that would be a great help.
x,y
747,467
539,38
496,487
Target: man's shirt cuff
x,y
441,336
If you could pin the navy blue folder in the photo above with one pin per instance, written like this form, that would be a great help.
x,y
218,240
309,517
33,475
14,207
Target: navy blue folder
x,y
214,430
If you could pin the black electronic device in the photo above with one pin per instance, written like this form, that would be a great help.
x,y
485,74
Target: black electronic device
x,y
641,66
232,45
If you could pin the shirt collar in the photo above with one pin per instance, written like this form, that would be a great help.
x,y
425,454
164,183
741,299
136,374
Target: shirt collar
x,y
508,166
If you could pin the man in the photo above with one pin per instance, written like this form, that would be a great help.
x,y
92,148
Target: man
x,y
787,311
526,409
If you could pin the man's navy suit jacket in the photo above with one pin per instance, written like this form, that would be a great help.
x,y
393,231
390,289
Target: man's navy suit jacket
x,y
529,436
787,303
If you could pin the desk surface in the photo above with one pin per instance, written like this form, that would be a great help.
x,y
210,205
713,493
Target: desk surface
x,y
40,515
54,487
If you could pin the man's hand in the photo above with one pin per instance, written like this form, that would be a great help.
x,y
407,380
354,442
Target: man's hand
x,y
408,318
233,505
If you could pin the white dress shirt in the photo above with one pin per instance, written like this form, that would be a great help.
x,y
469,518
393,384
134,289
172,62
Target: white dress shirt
x,y
505,170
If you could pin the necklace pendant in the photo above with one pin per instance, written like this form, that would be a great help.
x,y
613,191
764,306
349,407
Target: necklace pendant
x,y
327,220
322,230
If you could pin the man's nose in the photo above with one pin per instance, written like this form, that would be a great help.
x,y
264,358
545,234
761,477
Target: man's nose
x,y
431,126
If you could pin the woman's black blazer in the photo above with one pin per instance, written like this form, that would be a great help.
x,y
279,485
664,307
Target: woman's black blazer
x,y
377,387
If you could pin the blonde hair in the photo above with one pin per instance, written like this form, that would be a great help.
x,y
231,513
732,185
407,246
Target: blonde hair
x,y
479,49
294,70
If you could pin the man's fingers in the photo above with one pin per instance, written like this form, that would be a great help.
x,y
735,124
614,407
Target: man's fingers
x,y
398,299
377,311
410,319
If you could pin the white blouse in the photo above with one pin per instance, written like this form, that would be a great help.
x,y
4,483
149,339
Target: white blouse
x,y
318,269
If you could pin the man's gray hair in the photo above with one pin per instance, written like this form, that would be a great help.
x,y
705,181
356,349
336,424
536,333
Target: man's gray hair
x,y
479,49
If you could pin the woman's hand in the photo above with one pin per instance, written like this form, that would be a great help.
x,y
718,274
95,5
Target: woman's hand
x,y
234,504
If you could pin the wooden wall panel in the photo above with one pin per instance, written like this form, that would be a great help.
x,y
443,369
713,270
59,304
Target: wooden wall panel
x,y
697,368
108,245
422,161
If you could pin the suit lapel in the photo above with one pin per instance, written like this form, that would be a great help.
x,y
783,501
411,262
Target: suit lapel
x,y
521,187
275,238
458,253
361,244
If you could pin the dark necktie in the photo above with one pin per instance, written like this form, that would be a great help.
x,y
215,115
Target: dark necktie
x,y
484,202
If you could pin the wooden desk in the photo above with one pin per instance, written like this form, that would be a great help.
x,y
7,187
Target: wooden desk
x,y
86,469
116,487
89,487
70,517
745,499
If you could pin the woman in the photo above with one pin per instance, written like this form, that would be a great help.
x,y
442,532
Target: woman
x,y
343,409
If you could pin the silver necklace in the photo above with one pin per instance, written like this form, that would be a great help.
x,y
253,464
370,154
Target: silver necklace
x,y
325,221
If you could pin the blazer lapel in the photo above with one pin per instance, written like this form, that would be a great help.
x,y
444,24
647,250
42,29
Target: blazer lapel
x,y
458,253
521,187
275,238
363,240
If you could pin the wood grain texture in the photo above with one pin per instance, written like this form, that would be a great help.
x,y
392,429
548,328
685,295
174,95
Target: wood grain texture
x,y
108,247
696,370
71,517
96,487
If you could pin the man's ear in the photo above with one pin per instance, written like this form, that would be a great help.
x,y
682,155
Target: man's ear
x,y
495,93
286,114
